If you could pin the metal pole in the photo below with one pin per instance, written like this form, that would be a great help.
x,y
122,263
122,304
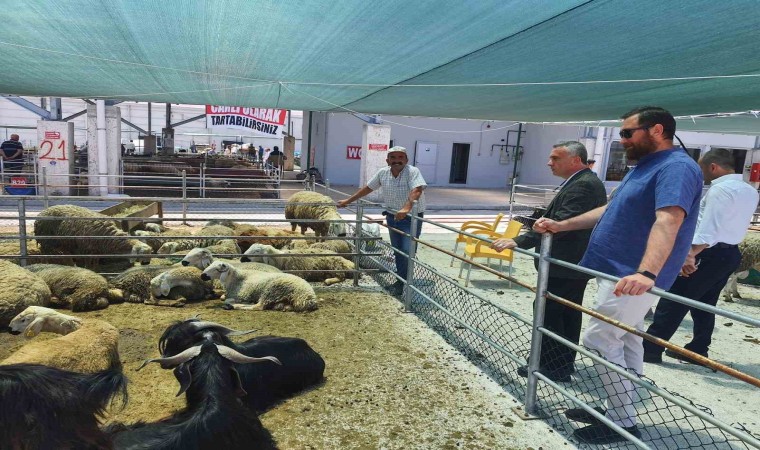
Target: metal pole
x,y
410,260
517,153
511,202
312,182
539,310
202,181
308,145
327,187
45,200
22,231
358,242
184,197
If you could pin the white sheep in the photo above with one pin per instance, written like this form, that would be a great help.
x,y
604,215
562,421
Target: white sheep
x,y
62,223
21,288
750,249
252,290
199,239
339,246
87,345
203,257
321,207
135,282
328,268
76,288
180,285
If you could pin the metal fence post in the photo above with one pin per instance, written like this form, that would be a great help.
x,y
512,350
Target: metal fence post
x,y
539,310
202,181
22,232
327,188
184,197
45,200
358,242
512,201
412,253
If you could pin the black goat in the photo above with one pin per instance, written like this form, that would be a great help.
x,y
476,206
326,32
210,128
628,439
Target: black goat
x,y
266,384
47,408
214,419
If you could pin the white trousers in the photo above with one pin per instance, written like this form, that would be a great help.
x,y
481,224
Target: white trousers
x,y
618,347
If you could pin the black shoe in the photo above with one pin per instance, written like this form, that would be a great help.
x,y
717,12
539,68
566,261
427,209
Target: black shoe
x,y
684,358
653,358
396,288
600,433
581,415
552,375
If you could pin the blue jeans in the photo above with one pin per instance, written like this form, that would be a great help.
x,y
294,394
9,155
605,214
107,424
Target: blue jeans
x,y
400,242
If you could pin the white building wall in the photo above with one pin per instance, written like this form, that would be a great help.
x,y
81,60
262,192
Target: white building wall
x,y
539,140
13,116
333,132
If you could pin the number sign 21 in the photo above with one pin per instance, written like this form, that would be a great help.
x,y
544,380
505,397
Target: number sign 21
x,y
51,148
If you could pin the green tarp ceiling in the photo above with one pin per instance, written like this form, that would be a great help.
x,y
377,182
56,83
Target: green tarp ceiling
x,y
529,60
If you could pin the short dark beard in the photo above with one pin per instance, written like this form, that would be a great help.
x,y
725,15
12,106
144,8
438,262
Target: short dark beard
x,y
637,152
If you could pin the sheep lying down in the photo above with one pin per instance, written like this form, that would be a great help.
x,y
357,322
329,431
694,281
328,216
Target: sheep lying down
x,y
203,257
253,290
323,266
87,345
77,288
179,285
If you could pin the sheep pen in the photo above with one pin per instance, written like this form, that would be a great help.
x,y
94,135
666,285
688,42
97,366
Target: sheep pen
x,y
390,382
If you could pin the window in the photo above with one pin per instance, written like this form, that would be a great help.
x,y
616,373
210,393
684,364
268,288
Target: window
x,y
617,164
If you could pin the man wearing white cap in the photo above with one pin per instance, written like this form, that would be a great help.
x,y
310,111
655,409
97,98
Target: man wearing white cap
x,y
402,184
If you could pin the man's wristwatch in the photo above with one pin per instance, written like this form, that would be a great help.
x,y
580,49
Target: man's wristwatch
x,y
647,274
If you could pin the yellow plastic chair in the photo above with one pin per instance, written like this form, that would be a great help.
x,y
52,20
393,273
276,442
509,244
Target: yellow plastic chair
x,y
475,248
471,226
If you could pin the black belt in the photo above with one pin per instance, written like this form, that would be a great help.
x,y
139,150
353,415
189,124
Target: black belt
x,y
722,245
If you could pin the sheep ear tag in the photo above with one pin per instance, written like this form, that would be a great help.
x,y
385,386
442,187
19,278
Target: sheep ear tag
x,y
184,377
34,328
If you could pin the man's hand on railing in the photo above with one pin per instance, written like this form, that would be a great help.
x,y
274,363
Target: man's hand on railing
x,y
343,203
635,284
544,225
503,244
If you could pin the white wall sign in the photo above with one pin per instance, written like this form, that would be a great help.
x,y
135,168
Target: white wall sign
x,y
55,151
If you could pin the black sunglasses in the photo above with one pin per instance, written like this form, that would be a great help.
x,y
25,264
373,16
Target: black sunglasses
x,y
627,133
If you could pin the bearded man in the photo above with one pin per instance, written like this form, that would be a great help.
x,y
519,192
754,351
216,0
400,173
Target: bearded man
x,y
642,236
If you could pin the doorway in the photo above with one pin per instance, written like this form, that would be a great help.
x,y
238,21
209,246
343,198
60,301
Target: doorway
x,y
460,157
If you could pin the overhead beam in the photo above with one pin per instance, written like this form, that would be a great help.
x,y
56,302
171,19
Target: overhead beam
x,y
29,106
74,116
145,133
192,119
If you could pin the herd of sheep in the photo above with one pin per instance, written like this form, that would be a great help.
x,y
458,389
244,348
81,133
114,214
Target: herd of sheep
x,y
241,264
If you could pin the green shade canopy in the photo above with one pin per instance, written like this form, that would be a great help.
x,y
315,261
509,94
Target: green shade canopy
x,y
540,61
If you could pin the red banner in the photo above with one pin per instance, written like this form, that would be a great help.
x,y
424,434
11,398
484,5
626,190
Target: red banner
x,y
264,121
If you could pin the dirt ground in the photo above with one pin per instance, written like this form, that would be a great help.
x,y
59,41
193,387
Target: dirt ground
x,y
390,382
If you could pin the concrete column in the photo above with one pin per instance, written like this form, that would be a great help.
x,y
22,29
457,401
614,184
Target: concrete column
x,y
104,150
375,142
288,148
55,144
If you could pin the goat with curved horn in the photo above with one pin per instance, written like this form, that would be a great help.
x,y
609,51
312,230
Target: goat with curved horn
x,y
221,329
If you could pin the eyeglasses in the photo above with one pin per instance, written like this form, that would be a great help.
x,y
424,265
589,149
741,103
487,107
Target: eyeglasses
x,y
627,133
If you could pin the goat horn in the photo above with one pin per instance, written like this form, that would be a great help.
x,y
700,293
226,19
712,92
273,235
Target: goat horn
x,y
235,356
172,361
201,325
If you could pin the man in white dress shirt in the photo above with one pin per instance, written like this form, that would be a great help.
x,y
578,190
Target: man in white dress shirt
x,y
725,213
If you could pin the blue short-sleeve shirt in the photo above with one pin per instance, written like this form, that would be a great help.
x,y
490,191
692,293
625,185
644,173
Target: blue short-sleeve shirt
x,y
660,179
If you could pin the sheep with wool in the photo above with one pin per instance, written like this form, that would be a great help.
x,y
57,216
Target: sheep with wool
x,y
86,345
62,221
750,250
313,206
205,237
247,234
135,282
76,288
180,285
252,290
21,288
203,257
339,246
324,266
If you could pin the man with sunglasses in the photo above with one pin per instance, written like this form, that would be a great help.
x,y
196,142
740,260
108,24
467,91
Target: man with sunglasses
x,y
642,236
